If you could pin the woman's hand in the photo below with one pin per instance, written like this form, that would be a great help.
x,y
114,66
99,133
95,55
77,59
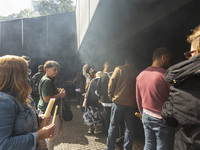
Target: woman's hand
x,y
46,132
41,118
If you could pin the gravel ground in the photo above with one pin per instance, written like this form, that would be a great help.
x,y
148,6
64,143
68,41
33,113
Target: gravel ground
x,y
75,136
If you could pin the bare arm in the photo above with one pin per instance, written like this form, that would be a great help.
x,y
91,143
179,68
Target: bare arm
x,y
62,94
138,99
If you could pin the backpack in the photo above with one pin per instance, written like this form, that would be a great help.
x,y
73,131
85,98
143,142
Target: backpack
x,y
35,82
67,114
183,105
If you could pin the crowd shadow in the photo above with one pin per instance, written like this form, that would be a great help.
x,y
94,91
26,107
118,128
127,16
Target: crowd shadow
x,y
75,132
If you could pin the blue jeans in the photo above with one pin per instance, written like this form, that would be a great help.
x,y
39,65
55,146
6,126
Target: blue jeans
x,y
158,136
119,112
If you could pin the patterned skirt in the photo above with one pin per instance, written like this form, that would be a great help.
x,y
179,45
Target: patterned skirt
x,y
92,116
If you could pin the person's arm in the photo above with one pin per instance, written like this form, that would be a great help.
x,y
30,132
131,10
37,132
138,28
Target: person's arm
x,y
84,69
112,83
85,73
7,121
138,99
99,86
85,100
46,132
62,94
47,90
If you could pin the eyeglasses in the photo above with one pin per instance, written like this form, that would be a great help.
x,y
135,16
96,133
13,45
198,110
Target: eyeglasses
x,y
189,54
56,69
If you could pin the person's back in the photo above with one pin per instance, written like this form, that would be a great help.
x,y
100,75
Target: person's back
x,y
152,91
153,88
121,88
102,87
183,106
92,98
92,117
102,91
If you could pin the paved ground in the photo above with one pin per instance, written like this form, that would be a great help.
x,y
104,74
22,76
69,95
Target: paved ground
x,y
75,136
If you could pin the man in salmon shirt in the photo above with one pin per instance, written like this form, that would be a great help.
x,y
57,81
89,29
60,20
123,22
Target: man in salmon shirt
x,y
152,90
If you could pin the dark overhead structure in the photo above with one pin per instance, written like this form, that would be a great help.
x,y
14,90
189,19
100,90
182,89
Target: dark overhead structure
x,y
122,28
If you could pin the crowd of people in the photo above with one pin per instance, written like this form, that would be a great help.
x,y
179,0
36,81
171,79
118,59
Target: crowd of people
x,y
167,98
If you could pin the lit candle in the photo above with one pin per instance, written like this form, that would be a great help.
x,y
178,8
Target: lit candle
x,y
138,115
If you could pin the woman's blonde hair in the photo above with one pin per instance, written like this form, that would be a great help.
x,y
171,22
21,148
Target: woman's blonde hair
x,y
195,36
14,77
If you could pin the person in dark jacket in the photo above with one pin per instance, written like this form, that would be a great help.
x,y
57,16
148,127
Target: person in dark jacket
x,y
102,91
92,117
183,108
80,82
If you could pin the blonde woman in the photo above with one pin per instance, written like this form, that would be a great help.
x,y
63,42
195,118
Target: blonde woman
x,y
18,121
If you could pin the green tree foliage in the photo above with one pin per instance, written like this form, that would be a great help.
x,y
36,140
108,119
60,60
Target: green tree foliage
x,y
50,7
42,8
2,18
26,13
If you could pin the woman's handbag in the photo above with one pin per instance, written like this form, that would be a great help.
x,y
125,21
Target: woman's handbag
x,y
67,114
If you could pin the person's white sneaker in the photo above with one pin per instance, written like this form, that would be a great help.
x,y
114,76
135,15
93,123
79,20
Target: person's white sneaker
x,y
90,131
98,131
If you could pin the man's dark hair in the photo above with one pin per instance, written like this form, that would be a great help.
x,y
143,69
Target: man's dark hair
x,y
159,52
51,63
95,70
